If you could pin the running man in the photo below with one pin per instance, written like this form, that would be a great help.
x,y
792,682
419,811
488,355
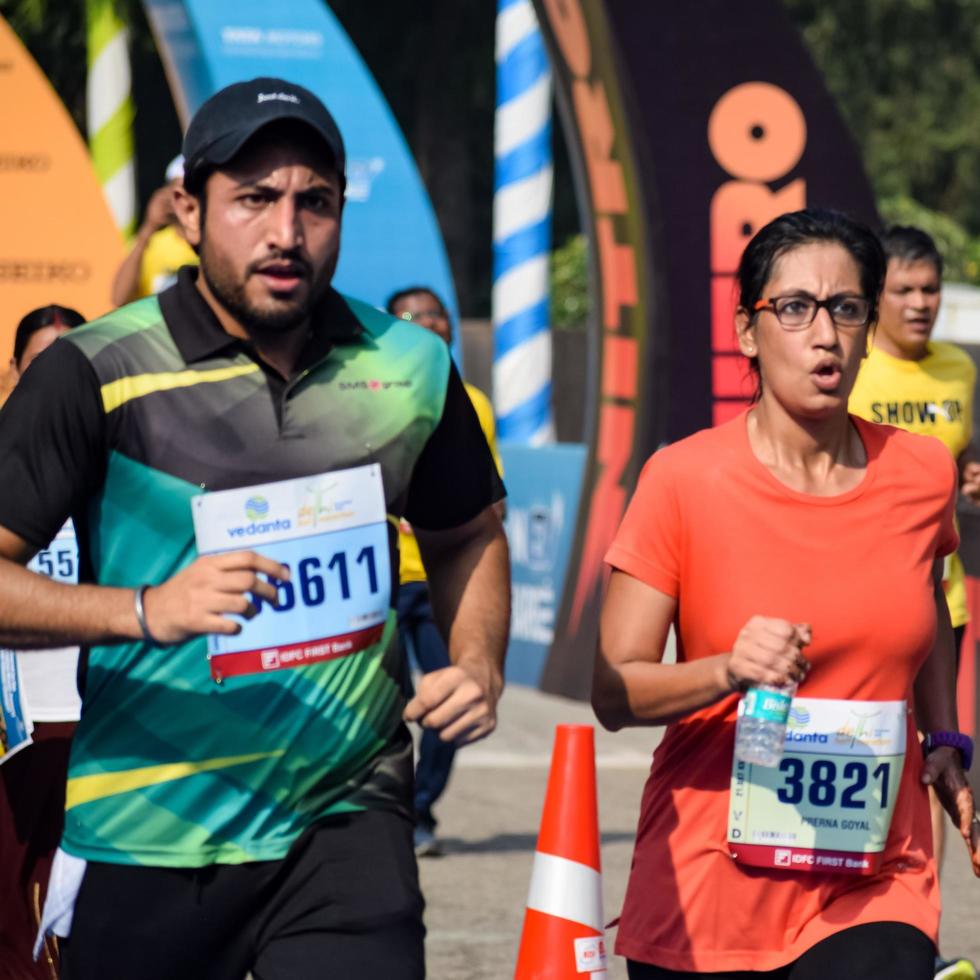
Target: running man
x,y
417,628
239,793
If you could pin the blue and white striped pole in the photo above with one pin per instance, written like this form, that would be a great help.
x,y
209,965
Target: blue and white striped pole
x,y
522,228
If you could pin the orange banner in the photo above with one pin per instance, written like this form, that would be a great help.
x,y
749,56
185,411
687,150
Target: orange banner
x,y
59,242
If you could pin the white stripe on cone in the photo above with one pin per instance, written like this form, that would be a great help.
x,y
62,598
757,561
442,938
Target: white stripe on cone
x,y
566,889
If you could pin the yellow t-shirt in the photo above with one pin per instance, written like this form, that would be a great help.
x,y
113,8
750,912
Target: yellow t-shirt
x,y
166,251
410,568
933,396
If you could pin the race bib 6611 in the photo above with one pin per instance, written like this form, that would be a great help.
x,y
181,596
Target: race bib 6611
x,y
331,532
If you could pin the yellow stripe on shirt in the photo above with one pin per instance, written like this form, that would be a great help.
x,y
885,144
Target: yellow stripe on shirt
x,y
85,789
122,390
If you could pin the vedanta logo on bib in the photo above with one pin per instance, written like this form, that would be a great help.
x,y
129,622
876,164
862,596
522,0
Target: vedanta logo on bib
x,y
260,527
256,508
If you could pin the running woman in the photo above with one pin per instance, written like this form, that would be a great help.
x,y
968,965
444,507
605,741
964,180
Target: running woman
x,y
765,542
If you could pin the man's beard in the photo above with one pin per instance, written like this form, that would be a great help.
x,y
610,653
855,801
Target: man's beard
x,y
230,293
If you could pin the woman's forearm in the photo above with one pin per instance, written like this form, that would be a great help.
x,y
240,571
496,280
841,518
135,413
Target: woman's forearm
x,y
642,692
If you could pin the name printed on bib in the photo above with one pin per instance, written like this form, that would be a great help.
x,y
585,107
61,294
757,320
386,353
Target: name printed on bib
x,y
331,531
828,805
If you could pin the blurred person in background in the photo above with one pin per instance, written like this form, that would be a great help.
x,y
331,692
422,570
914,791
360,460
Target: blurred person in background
x,y
417,630
35,333
32,782
159,248
925,386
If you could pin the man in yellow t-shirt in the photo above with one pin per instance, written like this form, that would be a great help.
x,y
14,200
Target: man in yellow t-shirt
x,y
916,383
926,386
158,250
417,629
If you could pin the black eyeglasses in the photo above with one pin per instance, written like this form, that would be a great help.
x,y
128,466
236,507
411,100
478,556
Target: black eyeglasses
x,y
799,311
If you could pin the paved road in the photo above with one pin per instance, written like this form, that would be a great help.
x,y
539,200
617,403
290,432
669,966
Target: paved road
x,y
490,815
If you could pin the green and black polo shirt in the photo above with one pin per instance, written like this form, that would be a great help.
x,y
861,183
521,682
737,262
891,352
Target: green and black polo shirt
x,y
118,425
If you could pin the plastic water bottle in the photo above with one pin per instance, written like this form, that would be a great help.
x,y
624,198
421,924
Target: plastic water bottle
x,y
760,731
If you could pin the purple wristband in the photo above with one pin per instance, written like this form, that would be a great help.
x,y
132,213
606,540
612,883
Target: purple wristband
x,y
955,740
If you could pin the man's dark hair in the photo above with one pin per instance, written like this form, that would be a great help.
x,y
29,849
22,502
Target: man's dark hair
x,y
906,243
394,298
45,316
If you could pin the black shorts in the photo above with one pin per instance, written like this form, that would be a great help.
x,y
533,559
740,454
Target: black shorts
x,y
891,950
344,902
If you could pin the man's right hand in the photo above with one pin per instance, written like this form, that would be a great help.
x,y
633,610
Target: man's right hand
x,y
200,598
159,210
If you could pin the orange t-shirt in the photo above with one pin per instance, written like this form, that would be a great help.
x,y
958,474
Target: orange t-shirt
x,y
711,526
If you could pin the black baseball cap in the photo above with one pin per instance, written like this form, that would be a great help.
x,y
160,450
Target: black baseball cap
x,y
232,116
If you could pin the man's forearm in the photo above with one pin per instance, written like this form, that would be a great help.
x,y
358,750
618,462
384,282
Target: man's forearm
x,y
36,613
125,284
469,583
481,625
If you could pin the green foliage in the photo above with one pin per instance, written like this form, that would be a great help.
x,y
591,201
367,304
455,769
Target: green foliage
x,y
570,284
960,250
906,76
54,31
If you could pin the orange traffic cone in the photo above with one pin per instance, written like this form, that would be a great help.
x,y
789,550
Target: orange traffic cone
x,y
563,935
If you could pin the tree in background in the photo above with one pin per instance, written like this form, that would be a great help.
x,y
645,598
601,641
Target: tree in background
x,y
906,77
570,283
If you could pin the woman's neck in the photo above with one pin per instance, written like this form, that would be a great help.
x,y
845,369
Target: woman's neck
x,y
823,457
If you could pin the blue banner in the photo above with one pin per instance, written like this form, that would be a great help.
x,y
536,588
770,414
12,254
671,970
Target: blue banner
x,y
543,487
390,236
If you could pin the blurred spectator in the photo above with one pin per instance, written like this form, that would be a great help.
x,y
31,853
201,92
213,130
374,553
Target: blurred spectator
x,y
159,249
32,782
925,386
417,630
36,332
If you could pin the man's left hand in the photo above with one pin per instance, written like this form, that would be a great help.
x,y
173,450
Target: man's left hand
x,y
459,702
943,771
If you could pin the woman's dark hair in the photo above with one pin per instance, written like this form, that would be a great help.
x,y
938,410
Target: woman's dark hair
x,y
806,227
46,316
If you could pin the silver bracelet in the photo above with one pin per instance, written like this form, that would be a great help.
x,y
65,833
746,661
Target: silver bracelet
x,y
141,615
